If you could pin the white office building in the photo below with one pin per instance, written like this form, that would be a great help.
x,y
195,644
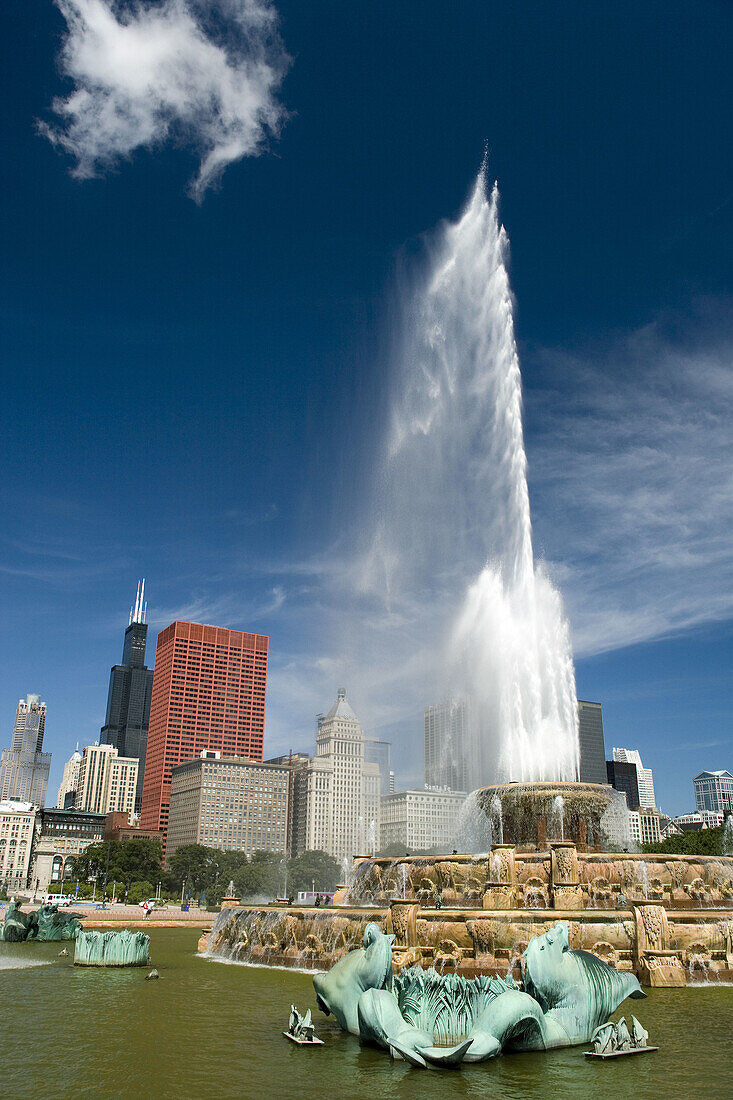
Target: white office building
x,y
645,825
107,781
17,829
335,795
69,784
714,791
421,820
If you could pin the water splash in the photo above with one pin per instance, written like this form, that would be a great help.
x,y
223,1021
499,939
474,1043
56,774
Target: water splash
x,y
642,877
557,818
457,514
728,836
371,838
346,871
11,963
615,825
496,813
475,831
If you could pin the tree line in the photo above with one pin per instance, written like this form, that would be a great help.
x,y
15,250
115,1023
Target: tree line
x,y
702,842
136,868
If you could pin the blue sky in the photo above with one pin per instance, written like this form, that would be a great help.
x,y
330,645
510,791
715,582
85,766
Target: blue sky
x,y
195,374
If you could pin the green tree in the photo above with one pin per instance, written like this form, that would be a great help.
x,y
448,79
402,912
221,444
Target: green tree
x,y
261,877
230,866
705,842
313,867
129,861
139,891
195,865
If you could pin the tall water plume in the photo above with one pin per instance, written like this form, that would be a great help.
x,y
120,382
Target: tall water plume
x,y
455,516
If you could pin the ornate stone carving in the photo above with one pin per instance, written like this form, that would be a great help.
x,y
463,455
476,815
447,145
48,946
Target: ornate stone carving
x,y
726,930
404,922
564,860
697,890
651,928
535,894
313,947
627,873
605,951
409,956
448,954
483,934
499,865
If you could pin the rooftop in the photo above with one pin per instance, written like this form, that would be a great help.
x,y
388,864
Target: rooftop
x,y
341,708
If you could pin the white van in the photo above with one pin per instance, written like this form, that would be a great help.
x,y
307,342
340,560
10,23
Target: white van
x,y
59,899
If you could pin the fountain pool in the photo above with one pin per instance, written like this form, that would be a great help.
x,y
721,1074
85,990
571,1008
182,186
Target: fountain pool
x,y
216,1030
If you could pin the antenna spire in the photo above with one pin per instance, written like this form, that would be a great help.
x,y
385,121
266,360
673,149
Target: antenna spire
x,y
139,612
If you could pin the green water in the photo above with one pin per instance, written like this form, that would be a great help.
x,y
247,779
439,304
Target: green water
x,y
211,1029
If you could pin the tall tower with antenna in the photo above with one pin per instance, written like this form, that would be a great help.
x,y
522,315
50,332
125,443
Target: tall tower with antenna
x,y
130,689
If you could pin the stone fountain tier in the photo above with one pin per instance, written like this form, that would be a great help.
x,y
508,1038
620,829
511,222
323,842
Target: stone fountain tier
x,y
530,815
561,878
667,918
690,945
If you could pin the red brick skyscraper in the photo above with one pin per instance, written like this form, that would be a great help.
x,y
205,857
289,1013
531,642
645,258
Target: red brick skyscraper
x,y
208,693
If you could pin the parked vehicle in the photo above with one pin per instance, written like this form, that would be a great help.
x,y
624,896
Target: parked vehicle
x,y
61,900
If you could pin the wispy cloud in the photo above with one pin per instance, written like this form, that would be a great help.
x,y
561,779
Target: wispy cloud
x,y
694,746
198,73
227,608
631,470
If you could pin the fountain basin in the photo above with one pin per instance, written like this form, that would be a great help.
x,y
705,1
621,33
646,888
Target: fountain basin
x,y
530,815
657,915
697,945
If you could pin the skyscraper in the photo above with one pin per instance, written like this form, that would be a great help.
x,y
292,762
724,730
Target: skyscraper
x,y
344,788
208,693
378,752
644,776
24,767
69,781
592,745
335,795
714,791
446,746
107,781
130,689
623,777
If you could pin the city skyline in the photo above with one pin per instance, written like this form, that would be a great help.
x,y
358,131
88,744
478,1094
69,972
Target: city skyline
x,y
214,376
137,612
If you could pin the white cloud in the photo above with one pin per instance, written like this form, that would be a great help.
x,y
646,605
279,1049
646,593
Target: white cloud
x,y
631,471
226,608
201,73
